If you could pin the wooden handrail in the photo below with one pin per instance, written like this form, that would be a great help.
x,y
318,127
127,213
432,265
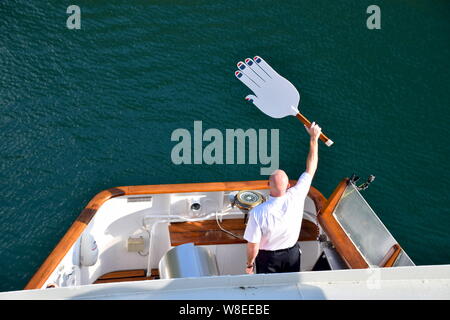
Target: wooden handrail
x,y
333,200
343,244
391,256
80,224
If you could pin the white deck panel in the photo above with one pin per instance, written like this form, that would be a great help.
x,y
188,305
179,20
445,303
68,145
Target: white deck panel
x,y
418,282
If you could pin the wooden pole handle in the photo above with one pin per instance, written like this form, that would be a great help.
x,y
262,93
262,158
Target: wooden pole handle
x,y
307,123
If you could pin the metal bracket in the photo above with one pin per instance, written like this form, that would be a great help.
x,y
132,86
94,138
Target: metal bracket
x,y
354,178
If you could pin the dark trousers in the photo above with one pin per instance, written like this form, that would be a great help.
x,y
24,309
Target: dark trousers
x,y
285,260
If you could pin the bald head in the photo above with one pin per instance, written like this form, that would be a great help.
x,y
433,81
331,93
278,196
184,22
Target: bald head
x,y
278,183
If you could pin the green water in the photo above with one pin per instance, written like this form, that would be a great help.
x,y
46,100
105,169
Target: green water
x,y
86,110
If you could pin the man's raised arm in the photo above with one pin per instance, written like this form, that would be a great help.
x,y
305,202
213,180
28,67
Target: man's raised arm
x,y
313,156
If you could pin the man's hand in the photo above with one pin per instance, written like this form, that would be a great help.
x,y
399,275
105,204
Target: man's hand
x,y
250,269
314,131
252,252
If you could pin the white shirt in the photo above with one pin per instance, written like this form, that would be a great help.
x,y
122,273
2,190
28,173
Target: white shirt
x,y
276,223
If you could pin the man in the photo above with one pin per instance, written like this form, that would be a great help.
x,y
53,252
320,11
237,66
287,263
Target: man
x,y
273,227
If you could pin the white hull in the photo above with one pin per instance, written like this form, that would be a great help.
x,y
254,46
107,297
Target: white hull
x,y
418,282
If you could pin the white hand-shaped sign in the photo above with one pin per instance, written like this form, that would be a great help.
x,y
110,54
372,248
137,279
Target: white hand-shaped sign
x,y
274,95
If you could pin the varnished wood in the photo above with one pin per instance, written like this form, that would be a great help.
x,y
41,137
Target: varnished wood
x,y
307,123
77,228
333,200
343,244
319,200
123,274
207,232
391,256
124,280
206,225
127,275
309,231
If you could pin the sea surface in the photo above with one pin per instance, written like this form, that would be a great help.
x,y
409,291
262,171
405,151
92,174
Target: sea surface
x,y
89,109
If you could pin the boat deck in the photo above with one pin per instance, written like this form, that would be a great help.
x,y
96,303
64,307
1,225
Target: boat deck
x,y
205,232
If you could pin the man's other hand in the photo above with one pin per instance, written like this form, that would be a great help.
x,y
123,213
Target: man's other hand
x,y
250,270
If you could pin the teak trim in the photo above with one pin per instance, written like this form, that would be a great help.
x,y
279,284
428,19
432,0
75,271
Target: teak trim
x,y
391,256
77,228
208,232
127,275
343,244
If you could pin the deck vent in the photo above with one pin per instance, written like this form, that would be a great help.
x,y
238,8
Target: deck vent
x,y
140,199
